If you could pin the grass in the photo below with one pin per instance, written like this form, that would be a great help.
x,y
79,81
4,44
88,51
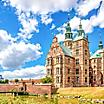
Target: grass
x,y
86,92
8,99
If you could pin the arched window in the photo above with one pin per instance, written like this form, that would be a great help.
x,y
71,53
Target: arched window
x,y
85,71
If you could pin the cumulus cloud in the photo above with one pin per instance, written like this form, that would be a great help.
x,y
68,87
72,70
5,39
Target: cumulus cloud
x,y
31,72
89,24
99,20
86,24
42,6
25,9
15,54
53,27
60,37
4,40
95,20
85,7
46,19
28,26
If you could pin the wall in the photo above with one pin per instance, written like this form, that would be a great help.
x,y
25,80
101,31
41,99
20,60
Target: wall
x,y
8,87
40,89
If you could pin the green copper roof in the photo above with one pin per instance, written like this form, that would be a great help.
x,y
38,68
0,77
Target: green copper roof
x,y
79,37
80,33
68,33
97,54
100,45
65,50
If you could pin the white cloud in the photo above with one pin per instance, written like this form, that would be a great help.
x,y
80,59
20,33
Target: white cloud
x,y
28,27
4,40
99,19
86,24
95,20
32,72
15,54
46,19
53,27
60,37
27,8
42,6
74,22
61,34
85,7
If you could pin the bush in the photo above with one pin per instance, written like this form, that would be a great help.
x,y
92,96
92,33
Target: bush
x,y
46,80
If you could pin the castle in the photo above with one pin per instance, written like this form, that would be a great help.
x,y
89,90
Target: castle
x,y
69,63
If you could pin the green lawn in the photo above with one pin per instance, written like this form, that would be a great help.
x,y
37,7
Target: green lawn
x,y
84,92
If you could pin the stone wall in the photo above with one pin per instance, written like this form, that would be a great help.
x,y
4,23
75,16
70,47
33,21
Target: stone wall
x,y
8,87
39,89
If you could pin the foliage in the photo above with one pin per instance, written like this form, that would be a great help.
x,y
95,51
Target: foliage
x,y
16,80
46,80
4,81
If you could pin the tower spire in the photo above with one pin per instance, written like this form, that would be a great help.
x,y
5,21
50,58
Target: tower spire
x,y
80,30
80,25
68,34
100,43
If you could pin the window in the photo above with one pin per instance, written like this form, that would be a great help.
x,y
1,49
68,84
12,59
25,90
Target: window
x,y
77,61
94,78
68,79
99,67
55,50
57,59
57,71
85,62
77,44
85,52
85,71
94,60
57,79
77,71
100,61
68,43
68,71
77,79
85,79
94,66
68,60
48,61
77,51
48,71
94,71
61,71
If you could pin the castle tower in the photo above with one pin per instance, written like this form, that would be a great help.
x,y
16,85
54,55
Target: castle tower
x,y
97,63
100,45
101,67
68,37
81,53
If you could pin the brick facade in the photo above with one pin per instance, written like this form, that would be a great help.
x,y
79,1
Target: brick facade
x,y
69,63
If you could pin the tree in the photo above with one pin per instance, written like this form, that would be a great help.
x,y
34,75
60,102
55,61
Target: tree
x,y
6,80
16,80
46,80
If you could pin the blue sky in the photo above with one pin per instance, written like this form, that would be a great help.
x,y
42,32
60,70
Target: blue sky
x,y
27,28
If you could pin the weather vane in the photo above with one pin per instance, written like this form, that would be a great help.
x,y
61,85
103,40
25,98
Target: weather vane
x,y
68,16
